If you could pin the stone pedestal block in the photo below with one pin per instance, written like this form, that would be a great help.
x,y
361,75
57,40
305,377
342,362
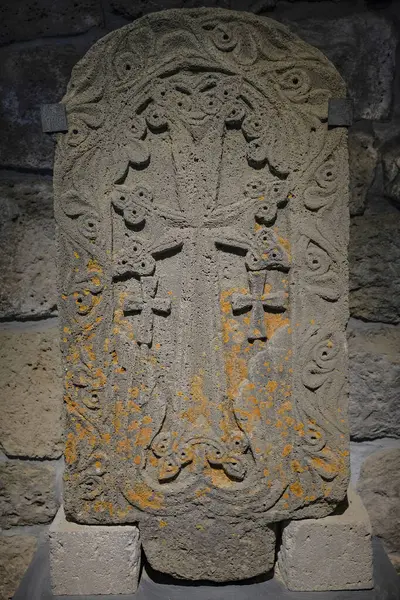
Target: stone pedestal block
x,y
92,559
332,553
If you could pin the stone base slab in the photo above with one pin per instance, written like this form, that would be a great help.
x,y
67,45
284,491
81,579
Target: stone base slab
x,y
332,553
93,559
36,586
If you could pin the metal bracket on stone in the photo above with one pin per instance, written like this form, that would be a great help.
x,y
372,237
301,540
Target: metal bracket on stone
x,y
340,112
54,118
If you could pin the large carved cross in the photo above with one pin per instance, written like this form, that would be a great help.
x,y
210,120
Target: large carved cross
x,y
257,302
147,306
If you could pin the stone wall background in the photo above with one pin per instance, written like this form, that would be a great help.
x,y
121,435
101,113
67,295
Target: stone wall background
x,y
40,42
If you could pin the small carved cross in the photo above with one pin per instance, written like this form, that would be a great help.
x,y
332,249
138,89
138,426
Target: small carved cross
x,y
257,301
147,306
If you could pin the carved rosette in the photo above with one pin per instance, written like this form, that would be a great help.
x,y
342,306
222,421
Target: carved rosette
x,y
201,203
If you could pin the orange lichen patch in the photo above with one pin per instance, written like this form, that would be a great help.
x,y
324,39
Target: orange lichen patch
x,y
144,436
219,478
271,386
94,266
101,506
202,492
326,466
287,450
124,446
266,472
119,413
133,392
162,523
144,497
70,449
285,407
286,244
273,322
137,459
147,420
225,299
289,421
106,437
133,426
153,461
296,489
296,467
236,370
200,405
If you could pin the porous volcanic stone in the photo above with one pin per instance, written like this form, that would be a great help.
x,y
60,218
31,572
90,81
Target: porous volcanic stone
x,y
31,392
374,370
379,487
27,249
27,493
16,553
332,553
93,559
202,212
374,258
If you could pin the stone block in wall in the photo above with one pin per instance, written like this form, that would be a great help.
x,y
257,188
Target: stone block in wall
x,y
34,74
379,487
374,257
22,20
31,392
16,553
363,158
374,374
27,249
362,46
27,493
391,169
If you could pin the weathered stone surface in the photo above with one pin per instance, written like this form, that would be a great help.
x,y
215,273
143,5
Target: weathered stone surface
x,y
27,249
16,553
379,487
21,20
27,493
374,258
332,553
391,169
363,157
30,76
93,559
31,392
363,48
201,201
359,452
374,365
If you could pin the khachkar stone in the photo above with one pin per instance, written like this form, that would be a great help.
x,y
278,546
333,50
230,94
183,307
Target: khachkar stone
x,y
201,202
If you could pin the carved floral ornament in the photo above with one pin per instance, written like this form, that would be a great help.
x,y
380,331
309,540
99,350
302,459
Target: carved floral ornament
x,y
193,190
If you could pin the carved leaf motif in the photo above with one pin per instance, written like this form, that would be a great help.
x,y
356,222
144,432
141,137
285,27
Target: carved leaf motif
x,y
324,361
240,40
321,277
126,63
320,193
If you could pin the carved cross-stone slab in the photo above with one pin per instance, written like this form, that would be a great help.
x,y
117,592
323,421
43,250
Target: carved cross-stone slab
x,y
198,160
147,305
258,302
